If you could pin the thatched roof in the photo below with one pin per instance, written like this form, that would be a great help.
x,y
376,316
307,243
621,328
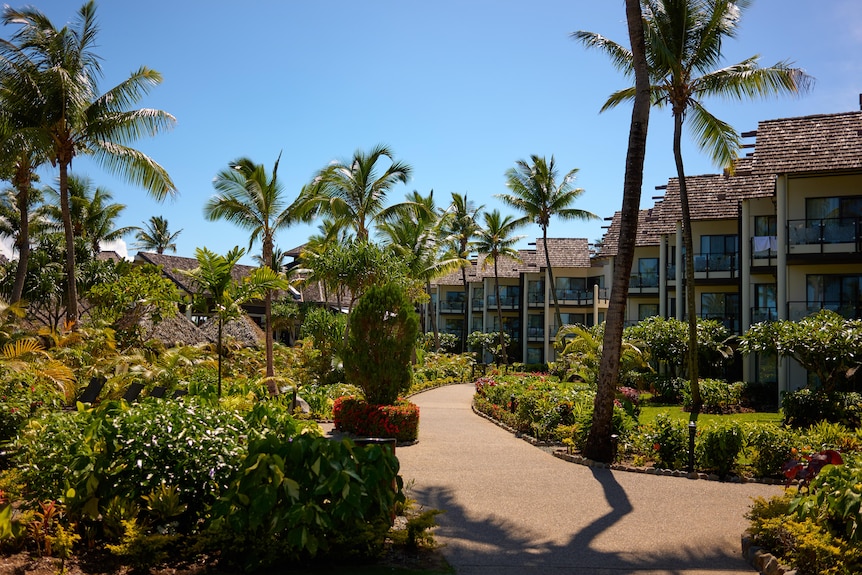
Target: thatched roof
x,y
243,330
173,331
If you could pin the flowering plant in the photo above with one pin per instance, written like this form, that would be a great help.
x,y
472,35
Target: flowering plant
x,y
359,417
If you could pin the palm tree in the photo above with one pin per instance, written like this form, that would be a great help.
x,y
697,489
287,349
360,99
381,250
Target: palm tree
x,y
353,193
683,40
254,200
64,75
416,237
536,193
155,235
460,226
92,212
214,276
600,445
496,241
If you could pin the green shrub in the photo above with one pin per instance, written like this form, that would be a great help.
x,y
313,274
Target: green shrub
x,y
297,499
383,328
356,416
667,439
834,499
718,396
665,389
769,448
806,407
718,446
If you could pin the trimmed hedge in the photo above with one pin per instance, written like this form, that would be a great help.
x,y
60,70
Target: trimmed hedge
x,y
357,416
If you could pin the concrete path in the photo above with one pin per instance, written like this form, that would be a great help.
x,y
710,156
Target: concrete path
x,y
513,508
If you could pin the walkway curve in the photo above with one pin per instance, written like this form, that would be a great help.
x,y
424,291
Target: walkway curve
x,y
511,508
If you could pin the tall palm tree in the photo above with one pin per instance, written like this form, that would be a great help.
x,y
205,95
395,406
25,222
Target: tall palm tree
x,y
65,72
536,193
460,226
214,276
23,149
496,241
155,235
600,445
254,200
353,192
683,40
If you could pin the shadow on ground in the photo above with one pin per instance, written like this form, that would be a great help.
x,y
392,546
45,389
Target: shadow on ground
x,y
491,545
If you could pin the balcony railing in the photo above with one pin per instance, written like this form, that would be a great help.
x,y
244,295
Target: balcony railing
x,y
641,281
536,333
535,298
478,303
705,265
826,231
731,322
451,307
510,302
580,297
796,310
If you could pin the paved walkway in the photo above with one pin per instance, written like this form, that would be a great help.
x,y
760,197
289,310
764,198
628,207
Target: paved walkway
x,y
512,508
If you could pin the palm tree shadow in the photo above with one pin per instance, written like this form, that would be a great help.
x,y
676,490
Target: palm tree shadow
x,y
477,544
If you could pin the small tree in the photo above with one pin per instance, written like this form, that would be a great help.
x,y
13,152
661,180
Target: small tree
x,y
383,329
823,343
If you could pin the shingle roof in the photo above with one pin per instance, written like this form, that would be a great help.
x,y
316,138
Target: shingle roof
x,y
648,233
170,265
825,142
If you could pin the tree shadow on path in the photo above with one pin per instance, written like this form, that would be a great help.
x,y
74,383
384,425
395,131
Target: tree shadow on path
x,y
491,544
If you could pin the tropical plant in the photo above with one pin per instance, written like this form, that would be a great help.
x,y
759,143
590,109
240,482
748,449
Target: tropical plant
x,y
62,75
253,200
599,443
684,41
225,294
536,193
352,192
496,241
155,235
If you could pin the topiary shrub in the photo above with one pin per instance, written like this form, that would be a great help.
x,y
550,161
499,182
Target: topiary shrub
x,y
358,417
382,333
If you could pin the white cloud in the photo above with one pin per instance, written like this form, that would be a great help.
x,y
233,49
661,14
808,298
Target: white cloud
x,y
118,246
6,248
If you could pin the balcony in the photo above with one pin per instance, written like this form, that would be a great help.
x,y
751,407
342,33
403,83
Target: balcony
x,y
452,307
506,302
706,266
536,299
731,322
643,283
536,333
828,235
764,250
477,304
796,310
581,298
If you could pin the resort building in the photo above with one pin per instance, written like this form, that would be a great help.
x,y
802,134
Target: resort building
x,y
780,238
526,300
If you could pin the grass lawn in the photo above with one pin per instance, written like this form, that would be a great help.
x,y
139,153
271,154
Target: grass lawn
x,y
649,413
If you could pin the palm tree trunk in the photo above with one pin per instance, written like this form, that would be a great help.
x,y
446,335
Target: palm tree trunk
x,y
600,445
72,288
687,243
433,317
270,369
218,352
22,184
557,317
503,354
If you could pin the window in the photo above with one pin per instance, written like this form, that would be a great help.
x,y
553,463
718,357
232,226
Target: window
x,y
535,326
723,307
647,310
765,226
765,306
478,297
509,296
536,292
647,275
454,302
534,355
840,207
717,253
832,220
570,288
840,293
454,326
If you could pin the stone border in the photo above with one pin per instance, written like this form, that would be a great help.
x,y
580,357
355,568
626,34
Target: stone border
x,y
765,562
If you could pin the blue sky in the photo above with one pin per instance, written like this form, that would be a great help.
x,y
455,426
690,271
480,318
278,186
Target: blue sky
x,y
460,90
